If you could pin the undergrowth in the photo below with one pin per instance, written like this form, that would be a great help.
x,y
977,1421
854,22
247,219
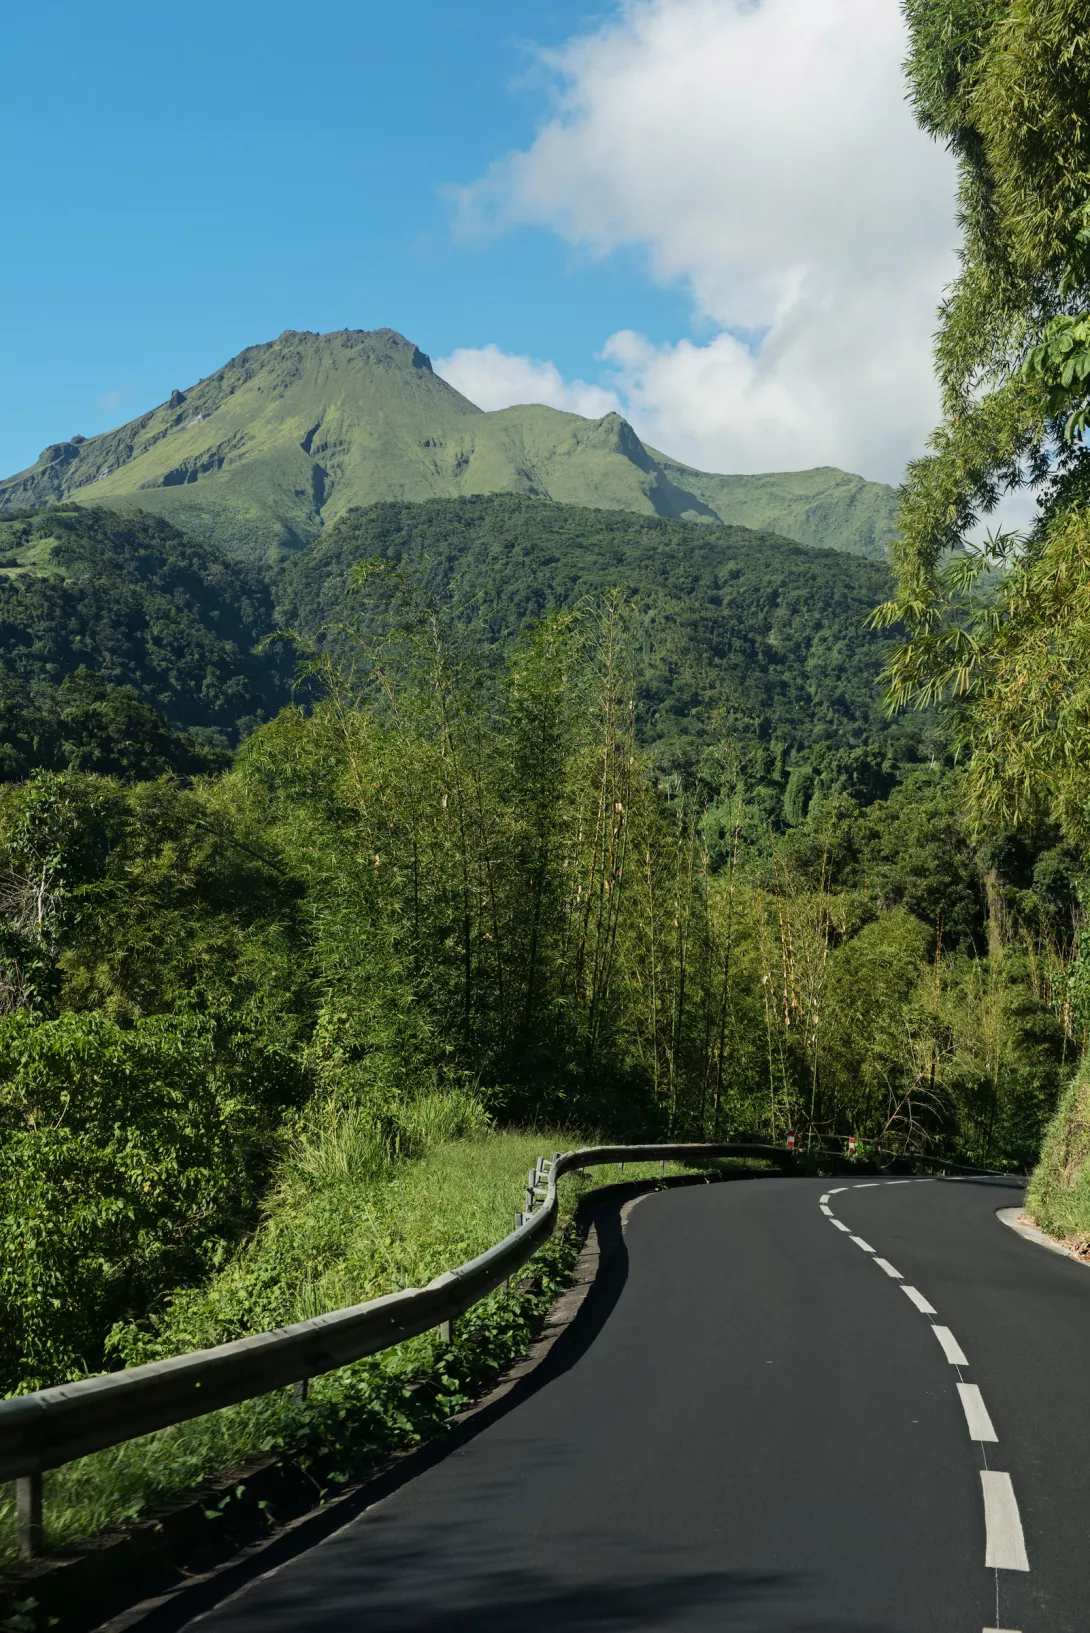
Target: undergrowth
x,y
341,1227
1058,1198
343,1224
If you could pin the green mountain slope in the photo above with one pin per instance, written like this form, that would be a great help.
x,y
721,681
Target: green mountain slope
x,y
745,632
290,435
143,606
823,507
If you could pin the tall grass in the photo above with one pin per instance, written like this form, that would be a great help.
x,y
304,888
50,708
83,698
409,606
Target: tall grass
x,y
343,1224
1058,1198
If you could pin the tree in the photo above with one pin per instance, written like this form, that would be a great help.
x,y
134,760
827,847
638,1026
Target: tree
x,y
1006,84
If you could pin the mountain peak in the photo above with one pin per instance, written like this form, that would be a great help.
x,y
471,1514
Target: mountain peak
x,y
289,434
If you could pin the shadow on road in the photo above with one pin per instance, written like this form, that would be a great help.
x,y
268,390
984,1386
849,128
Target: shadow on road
x,y
178,1610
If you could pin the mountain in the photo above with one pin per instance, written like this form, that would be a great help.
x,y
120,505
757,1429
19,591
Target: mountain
x,y
290,435
743,632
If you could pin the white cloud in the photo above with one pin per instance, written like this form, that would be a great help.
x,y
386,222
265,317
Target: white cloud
x,y
762,153
495,379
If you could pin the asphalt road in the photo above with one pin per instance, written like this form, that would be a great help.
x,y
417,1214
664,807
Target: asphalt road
x,y
752,1426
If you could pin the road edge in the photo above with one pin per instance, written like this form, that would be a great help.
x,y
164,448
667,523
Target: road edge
x,y
1014,1220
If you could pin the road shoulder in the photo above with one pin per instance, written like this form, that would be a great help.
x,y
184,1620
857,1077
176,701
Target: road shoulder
x,y
1015,1219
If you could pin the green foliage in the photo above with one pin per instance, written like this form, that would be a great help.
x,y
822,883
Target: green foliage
x,y
84,724
396,1225
740,633
147,900
458,888
126,1157
1059,1194
918,985
1007,84
911,850
286,437
1062,363
143,606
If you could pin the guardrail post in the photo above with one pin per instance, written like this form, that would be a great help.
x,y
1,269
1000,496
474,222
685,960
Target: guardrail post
x,y
662,1167
28,1515
302,1389
446,1330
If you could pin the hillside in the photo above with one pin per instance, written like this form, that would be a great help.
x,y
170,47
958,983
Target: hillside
x,y
747,631
288,436
143,606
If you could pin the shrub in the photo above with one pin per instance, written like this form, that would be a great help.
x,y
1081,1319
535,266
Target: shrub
x,y
127,1158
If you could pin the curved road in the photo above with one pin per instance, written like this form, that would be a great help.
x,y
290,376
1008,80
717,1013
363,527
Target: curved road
x,y
755,1425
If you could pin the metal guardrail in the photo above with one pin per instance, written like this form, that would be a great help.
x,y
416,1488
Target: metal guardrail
x,y
55,1426
51,1427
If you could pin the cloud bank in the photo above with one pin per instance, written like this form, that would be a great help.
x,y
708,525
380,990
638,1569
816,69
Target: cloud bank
x,y
762,154
492,379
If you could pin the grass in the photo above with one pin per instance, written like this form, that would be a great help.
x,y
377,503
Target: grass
x,y
343,1224
1058,1198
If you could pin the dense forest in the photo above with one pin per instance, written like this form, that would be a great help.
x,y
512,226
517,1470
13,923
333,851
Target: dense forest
x,y
743,633
131,599
456,877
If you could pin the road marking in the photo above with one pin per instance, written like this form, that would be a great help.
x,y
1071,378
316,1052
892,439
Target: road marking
x,y
952,1350
867,1186
1006,1547
918,1300
976,1413
824,1199
898,1182
826,1210
889,1270
838,1190
859,1242
839,1223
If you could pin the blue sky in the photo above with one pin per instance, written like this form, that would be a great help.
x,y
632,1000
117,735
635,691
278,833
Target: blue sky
x,y
181,182
543,194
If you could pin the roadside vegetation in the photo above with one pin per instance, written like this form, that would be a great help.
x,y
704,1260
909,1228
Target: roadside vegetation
x,y
998,634
343,1222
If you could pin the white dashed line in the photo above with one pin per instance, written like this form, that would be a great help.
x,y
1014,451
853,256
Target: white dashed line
x,y
918,1300
950,1347
976,1413
824,1199
1006,1547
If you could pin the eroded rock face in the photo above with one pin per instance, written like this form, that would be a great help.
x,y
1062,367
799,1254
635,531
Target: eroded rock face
x,y
177,398
56,452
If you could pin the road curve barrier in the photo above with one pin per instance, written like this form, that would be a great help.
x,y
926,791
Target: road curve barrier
x,y
55,1426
